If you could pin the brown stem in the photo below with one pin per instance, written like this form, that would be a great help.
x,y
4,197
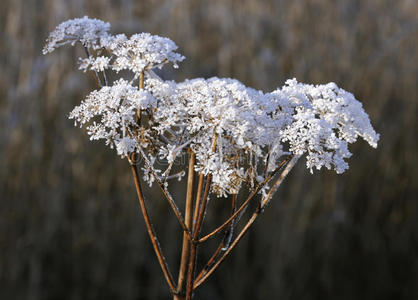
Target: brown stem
x,y
193,247
188,221
202,209
141,87
258,211
190,271
211,260
166,195
95,74
197,223
279,180
222,243
246,202
234,243
150,229
159,182
141,80
198,197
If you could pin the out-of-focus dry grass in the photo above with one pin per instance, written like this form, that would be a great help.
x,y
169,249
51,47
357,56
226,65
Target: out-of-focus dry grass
x,y
69,221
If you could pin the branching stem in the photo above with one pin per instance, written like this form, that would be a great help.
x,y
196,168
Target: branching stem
x,y
150,229
246,202
166,194
254,216
188,221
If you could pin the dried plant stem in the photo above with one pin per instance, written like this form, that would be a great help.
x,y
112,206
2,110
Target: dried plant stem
x,y
190,270
141,80
246,202
151,232
196,230
244,230
193,223
234,243
222,244
159,182
202,209
188,221
279,180
197,201
141,87
199,214
166,194
95,74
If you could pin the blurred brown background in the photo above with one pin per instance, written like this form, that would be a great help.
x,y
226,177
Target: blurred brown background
x,y
70,226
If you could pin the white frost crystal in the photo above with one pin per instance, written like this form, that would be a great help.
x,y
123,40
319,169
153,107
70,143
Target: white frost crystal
x,y
239,135
98,64
84,30
144,51
110,112
327,120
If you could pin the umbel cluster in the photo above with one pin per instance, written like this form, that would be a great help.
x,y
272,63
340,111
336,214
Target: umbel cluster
x,y
238,134
234,136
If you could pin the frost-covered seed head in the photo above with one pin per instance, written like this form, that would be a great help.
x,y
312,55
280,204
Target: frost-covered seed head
x,y
239,135
144,51
84,30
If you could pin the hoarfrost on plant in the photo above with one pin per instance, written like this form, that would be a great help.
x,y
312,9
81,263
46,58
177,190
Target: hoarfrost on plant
x,y
239,134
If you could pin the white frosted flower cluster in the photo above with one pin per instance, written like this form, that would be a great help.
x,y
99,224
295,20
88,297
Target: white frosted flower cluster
x,y
140,52
98,64
239,135
144,51
110,115
326,119
231,128
87,31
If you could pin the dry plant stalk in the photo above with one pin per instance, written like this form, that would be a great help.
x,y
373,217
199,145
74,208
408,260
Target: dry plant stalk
x,y
234,136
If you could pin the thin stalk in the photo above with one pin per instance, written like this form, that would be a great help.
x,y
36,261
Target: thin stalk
x,y
188,221
197,201
190,271
234,243
105,78
141,87
166,194
211,261
157,179
193,245
141,80
196,229
245,203
258,211
150,229
200,213
222,244
202,209
279,180
96,75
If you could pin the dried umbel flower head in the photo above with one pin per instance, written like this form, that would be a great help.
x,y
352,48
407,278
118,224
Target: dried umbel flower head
x,y
115,108
144,51
326,119
87,31
234,135
140,52
231,128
